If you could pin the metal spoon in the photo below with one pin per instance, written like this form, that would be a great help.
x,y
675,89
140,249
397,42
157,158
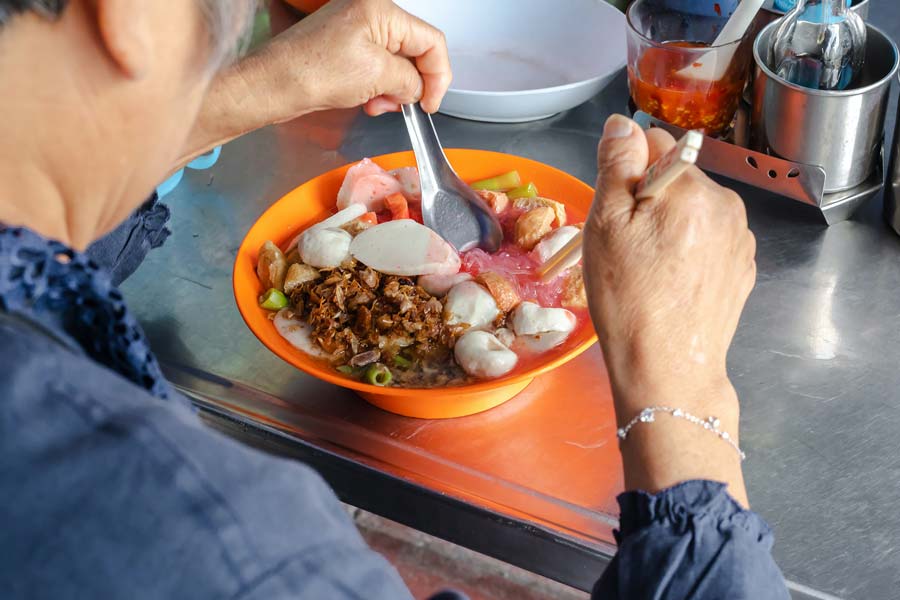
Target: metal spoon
x,y
449,206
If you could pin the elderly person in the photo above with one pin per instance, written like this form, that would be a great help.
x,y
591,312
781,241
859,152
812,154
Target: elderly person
x,y
111,486
667,280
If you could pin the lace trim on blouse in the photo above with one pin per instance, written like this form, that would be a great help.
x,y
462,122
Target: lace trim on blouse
x,y
65,291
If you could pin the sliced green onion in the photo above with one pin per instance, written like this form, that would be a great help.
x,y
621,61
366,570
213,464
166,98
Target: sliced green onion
x,y
345,369
526,191
403,363
378,374
507,181
273,300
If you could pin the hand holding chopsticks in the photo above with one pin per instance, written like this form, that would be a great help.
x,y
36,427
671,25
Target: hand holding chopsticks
x,y
660,174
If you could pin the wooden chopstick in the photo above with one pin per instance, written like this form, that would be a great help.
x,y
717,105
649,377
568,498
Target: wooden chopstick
x,y
556,263
663,172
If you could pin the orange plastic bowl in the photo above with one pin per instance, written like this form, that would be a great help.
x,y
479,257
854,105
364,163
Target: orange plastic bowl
x,y
307,6
315,200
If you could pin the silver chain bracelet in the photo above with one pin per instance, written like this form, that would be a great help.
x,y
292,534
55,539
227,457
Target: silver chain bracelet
x,y
648,415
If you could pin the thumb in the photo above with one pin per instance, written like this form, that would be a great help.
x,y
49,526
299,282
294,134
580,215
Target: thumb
x,y
400,80
622,159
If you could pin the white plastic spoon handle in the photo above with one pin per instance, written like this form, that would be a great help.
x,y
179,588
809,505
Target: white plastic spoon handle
x,y
713,65
739,23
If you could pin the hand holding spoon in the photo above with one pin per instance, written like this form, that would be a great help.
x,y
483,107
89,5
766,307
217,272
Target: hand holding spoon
x,y
449,206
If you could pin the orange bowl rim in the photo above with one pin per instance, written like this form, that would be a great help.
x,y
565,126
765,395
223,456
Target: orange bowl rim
x,y
246,303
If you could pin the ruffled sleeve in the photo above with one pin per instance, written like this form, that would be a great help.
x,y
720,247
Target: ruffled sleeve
x,y
691,541
123,249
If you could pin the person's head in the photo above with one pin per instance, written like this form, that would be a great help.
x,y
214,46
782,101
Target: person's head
x,y
102,93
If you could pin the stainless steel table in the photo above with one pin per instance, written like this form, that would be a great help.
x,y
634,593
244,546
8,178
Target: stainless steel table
x,y
814,361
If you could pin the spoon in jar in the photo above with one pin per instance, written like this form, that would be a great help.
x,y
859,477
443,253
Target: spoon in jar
x,y
713,65
449,206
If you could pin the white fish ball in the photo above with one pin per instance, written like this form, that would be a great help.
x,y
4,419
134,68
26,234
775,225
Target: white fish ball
x,y
470,304
439,285
531,319
506,336
555,241
325,248
480,354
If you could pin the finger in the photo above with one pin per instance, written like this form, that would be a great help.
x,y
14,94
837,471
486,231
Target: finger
x,y
659,142
622,159
428,47
381,105
400,80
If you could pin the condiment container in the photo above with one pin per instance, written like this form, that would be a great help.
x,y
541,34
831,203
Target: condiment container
x,y
840,130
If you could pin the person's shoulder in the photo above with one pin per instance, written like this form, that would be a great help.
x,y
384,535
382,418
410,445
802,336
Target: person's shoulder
x,y
171,485
44,380
42,367
31,358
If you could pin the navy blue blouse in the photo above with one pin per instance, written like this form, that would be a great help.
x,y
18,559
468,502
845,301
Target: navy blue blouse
x,y
112,488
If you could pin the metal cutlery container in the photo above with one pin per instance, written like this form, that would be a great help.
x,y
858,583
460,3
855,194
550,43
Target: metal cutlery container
x,y
841,131
770,13
824,149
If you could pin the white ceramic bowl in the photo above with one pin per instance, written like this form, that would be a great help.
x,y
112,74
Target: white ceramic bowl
x,y
522,60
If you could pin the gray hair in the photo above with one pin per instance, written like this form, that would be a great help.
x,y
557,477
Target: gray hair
x,y
229,25
227,21
46,8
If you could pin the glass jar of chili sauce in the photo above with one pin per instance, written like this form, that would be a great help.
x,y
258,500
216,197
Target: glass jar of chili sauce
x,y
675,73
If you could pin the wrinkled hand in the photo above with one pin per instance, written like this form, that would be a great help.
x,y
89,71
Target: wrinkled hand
x,y
349,53
667,278
356,53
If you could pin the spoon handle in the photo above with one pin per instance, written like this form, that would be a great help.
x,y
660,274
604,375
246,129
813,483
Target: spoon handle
x,y
430,156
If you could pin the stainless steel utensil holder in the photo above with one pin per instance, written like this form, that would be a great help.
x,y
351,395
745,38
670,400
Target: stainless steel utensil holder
x,y
795,181
833,141
772,13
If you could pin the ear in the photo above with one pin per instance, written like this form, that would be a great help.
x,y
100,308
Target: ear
x,y
124,27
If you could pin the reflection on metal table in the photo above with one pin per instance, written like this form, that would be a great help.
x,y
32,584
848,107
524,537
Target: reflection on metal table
x,y
534,481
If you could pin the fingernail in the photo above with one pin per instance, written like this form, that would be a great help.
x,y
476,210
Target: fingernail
x,y
617,126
